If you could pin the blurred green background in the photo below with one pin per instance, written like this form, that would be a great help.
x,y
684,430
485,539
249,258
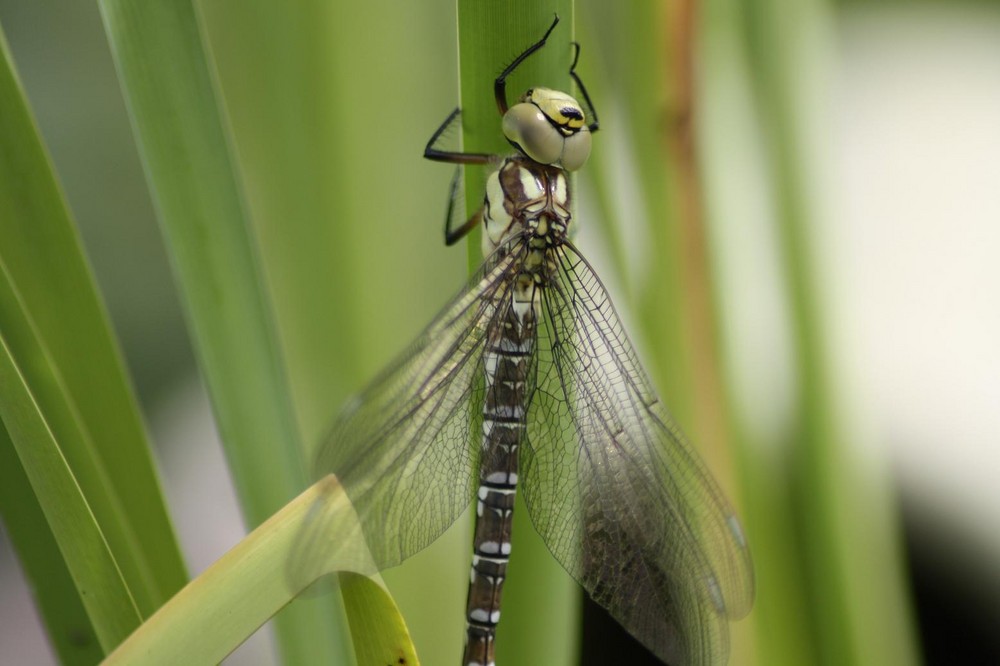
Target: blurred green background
x,y
890,174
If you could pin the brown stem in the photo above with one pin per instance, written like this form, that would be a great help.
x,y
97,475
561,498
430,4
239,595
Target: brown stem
x,y
698,312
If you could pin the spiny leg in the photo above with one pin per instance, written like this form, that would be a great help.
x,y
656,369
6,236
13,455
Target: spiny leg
x,y
432,152
500,85
590,110
454,234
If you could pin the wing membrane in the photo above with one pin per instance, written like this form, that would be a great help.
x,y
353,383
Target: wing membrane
x,y
404,449
616,492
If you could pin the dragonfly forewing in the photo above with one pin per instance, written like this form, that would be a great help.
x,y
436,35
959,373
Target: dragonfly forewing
x,y
406,448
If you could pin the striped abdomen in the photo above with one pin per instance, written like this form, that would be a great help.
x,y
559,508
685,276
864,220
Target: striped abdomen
x,y
506,360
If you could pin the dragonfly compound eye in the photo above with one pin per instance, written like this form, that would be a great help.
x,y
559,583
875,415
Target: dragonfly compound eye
x,y
548,126
576,150
526,126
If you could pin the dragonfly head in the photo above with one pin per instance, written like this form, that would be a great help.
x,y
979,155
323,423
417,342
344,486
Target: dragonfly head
x,y
549,127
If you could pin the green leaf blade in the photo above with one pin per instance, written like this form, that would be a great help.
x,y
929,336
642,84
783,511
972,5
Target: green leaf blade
x,y
69,629
74,397
250,583
184,141
98,579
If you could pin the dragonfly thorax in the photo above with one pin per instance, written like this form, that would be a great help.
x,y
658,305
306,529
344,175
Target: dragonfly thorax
x,y
549,127
526,199
546,231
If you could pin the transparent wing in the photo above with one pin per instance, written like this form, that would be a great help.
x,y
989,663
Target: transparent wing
x,y
616,492
404,449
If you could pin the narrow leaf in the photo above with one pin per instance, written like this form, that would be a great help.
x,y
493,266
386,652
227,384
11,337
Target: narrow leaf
x,y
102,589
379,633
239,592
44,264
80,497
70,631
184,141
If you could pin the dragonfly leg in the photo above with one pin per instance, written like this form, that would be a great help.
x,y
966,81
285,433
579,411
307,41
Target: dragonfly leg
x,y
500,85
591,111
453,234
432,152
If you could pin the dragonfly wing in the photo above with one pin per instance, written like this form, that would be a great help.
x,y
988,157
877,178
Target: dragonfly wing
x,y
404,449
618,495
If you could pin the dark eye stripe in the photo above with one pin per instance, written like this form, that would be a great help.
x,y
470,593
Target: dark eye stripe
x,y
571,112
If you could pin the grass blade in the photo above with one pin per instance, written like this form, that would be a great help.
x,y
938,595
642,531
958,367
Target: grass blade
x,y
102,588
377,629
77,422
185,145
70,631
178,124
239,592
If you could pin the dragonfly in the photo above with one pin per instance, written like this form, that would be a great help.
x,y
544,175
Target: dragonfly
x,y
527,382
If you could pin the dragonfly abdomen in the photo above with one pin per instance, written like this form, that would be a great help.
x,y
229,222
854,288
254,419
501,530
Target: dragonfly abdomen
x,y
506,362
